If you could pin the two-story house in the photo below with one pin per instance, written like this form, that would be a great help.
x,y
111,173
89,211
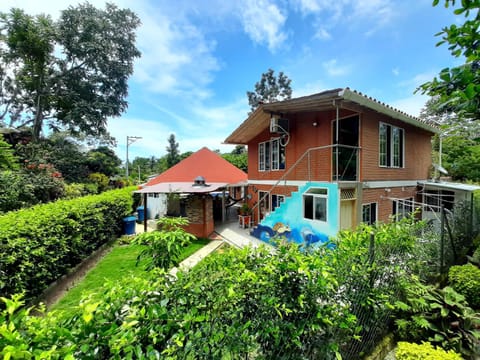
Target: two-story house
x,y
325,162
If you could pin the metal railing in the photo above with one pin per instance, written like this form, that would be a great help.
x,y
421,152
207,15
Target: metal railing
x,y
345,166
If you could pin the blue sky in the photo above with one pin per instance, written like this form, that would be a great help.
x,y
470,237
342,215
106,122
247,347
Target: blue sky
x,y
200,57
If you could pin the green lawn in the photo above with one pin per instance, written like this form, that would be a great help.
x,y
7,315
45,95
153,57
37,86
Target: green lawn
x,y
118,263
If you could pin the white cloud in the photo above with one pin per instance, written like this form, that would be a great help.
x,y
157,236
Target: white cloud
x,y
334,69
411,105
322,34
309,89
418,80
176,57
263,21
372,13
396,71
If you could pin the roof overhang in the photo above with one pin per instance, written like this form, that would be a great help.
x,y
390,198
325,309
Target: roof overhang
x,y
184,188
443,185
348,99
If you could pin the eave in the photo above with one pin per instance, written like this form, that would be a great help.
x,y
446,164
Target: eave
x,y
259,120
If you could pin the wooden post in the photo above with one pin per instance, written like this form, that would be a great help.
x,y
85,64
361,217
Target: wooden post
x,y
145,212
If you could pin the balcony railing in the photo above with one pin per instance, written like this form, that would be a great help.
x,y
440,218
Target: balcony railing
x,y
324,163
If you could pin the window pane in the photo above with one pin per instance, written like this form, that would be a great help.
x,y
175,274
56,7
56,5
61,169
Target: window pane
x,y
366,214
320,209
267,155
396,146
308,207
261,156
281,158
383,145
275,154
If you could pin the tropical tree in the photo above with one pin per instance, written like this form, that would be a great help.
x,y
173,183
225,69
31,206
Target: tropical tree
x,y
173,154
68,74
458,88
103,160
460,142
270,88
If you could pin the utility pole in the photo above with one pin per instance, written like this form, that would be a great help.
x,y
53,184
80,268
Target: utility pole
x,y
130,140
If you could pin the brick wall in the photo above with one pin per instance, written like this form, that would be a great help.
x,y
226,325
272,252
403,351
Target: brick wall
x,y
199,211
383,199
305,135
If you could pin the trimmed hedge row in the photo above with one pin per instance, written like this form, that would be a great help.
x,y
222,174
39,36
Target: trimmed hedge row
x,y
40,244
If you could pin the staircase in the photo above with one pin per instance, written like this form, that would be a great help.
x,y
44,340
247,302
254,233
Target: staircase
x,y
287,221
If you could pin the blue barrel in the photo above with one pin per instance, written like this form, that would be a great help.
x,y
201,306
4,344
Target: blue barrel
x,y
141,213
129,225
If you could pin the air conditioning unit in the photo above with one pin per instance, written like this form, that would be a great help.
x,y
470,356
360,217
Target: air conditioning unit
x,y
279,125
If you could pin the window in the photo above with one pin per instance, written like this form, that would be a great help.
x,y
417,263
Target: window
x,y
315,204
402,208
275,154
271,155
261,157
264,207
369,213
391,146
277,200
434,199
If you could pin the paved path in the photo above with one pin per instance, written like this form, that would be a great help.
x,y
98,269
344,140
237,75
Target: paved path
x,y
198,256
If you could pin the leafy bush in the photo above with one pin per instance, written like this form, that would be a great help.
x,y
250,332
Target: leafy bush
x,y
408,351
164,246
440,316
465,279
236,305
99,179
40,244
368,264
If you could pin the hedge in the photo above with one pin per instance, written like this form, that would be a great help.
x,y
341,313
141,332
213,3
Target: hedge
x,y
465,279
40,244
410,351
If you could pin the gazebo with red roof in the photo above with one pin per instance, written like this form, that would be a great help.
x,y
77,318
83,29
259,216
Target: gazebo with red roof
x,y
194,179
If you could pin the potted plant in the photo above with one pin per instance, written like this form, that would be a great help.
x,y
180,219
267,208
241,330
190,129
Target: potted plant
x,y
245,209
245,215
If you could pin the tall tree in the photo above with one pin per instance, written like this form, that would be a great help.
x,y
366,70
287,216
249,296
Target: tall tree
x,y
173,154
270,88
458,88
69,74
103,160
460,139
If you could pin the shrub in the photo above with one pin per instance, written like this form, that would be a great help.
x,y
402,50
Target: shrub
x,y
440,316
99,179
40,244
465,279
408,351
164,246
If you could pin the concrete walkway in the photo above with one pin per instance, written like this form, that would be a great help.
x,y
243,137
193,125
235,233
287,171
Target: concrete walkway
x,y
198,256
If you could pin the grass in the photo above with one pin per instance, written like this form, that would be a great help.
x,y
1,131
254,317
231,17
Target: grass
x,y
118,263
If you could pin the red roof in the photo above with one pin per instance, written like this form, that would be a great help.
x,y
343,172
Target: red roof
x,y
206,163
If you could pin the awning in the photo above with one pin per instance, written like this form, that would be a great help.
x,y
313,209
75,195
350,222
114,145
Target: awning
x,y
181,187
450,185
